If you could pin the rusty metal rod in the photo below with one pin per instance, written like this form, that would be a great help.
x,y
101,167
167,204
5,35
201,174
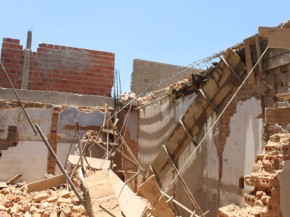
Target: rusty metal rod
x,y
59,164
178,204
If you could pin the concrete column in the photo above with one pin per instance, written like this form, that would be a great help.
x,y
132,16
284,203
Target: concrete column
x,y
26,63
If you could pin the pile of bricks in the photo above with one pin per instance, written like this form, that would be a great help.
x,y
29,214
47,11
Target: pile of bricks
x,y
264,200
17,201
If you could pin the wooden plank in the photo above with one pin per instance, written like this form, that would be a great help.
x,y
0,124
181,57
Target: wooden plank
x,y
285,96
14,178
93,162
277,115
199,111
46,183
151,191
109,131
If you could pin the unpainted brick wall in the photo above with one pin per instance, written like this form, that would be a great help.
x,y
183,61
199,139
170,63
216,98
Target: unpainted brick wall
x,y
60,68
12,58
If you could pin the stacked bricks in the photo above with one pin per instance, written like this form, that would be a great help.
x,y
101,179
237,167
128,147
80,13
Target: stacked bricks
x,y
60,68
264,200
12,59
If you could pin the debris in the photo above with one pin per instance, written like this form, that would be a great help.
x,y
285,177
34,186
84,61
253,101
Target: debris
x,y
15,201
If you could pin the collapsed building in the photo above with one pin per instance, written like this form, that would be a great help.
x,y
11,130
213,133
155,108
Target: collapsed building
x,y
210,139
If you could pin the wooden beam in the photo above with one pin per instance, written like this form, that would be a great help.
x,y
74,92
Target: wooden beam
x,y
277,116
14,178
285,96
46,183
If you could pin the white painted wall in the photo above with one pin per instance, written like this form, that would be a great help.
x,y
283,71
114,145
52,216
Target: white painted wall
x,y
242,145
201,172
28,157
16,117
62,154
156,123
284,179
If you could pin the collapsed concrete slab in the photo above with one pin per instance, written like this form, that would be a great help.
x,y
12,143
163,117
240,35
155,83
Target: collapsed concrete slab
x,y
100,196
150,190
106,195
130,204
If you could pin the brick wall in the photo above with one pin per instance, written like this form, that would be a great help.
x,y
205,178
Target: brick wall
x,y
60,68
12,59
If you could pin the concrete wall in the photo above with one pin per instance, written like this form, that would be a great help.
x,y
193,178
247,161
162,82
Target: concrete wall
x,y
146,73
30,155
213,172
156,123
228,153
284,179
56,98
57,68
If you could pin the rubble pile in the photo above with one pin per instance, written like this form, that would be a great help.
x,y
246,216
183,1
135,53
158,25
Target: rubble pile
x,y
264,200
17,201
173,92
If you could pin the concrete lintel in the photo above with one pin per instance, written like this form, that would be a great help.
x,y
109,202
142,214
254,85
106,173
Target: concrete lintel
x,y
57,98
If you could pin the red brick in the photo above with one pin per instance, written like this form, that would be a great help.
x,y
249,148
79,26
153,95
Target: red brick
x,y
61,74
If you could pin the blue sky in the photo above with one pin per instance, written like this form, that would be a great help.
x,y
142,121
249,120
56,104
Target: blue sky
x,y
175,32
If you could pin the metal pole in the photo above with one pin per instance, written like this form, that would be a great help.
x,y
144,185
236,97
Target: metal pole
x,y
130,151
80,148
59,164
178,204
29,120
192,199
